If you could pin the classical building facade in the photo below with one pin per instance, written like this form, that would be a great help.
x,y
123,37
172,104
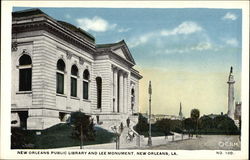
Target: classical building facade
x,y
58,68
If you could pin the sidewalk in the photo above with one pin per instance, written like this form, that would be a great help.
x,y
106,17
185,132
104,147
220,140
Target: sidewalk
x,y
156,141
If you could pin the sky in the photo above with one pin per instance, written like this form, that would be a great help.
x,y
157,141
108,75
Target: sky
x,y
186,53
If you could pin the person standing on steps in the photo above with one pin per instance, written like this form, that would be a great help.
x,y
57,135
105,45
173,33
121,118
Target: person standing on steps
x,y
128,122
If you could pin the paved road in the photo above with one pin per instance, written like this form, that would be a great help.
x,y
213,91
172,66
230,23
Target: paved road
x,y
206,142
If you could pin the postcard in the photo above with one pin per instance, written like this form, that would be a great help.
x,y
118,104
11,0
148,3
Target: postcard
x,y
125,80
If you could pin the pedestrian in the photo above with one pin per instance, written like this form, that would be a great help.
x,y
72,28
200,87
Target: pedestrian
x,y
166,134
121,126
128,122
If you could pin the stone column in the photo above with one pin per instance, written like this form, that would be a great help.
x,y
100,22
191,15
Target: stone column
x,y
115,94
125,94
231,82
121,91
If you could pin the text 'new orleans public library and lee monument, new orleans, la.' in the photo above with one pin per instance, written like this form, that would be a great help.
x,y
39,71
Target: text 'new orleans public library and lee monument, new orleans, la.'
x,y
57,69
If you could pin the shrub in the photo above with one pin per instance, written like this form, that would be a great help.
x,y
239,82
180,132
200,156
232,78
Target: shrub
x,y
82,124
142,125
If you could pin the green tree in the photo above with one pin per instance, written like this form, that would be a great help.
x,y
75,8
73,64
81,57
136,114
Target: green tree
x,y
195,114
164,125
142,125
225,125
189,125
206,123
83,126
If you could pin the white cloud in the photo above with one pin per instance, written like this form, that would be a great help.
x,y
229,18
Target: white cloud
x,y
141,39
187,27
229,16
96,24
202,46
232,42
121,30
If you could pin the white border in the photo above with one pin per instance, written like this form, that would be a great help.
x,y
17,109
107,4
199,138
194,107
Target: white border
x,y
6,153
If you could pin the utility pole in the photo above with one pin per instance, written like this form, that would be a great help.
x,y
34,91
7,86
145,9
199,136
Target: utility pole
x,y
149,116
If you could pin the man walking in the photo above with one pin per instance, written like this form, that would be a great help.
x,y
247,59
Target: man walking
x,y
128,122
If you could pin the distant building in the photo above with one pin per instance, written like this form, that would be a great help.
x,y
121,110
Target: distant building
x,y
157,117
237,113
172,117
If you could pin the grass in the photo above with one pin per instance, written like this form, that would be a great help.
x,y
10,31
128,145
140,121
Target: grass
x,y
60,136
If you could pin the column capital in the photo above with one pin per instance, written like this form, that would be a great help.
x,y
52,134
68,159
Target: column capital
x,y
119,70
114,67
126,74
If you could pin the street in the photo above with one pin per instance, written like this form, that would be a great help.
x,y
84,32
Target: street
x,y
206,142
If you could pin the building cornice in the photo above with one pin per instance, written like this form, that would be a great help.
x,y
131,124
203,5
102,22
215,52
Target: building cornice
x,y
136,73
43,23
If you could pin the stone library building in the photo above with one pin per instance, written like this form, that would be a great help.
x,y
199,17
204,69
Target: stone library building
x,y
57,69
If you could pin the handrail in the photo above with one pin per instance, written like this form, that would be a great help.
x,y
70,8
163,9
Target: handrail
x,y
138,137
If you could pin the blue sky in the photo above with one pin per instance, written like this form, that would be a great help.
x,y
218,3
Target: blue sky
x,y
192,40
182,38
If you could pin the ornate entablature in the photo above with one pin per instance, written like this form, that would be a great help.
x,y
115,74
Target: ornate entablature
x,y
136,73
44,22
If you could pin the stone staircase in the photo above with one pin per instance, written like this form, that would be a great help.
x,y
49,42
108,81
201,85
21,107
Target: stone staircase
x,y
130,138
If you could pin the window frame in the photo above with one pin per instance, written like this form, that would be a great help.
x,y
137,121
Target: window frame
x,y
73,78
25,85
132,98
60,72
99,93
86,81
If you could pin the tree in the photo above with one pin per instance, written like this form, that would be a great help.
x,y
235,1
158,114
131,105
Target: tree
x,y
225,125
206,123
83,126
164,125
195,114
189,125
142,125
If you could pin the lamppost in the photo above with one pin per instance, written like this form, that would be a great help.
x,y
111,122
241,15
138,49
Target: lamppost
x,y
149,116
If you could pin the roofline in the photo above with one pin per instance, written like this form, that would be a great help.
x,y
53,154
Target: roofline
x,y
115,46
14,14
136,73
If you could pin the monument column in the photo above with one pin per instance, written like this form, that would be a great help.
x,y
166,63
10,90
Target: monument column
x,y
231,82
115,89
121,91
125,94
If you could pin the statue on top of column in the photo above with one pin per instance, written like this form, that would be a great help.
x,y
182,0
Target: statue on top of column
x,y
231,70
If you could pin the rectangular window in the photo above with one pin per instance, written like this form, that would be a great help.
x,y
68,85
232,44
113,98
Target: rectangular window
x,y
25,79
85,90
59,83
73,87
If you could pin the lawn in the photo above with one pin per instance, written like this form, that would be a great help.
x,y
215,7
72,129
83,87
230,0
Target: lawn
x,y
56,137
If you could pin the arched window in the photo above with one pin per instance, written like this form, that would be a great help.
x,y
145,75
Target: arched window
x,y
60,76
86,84
99,91
132,98
74,73
25,73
